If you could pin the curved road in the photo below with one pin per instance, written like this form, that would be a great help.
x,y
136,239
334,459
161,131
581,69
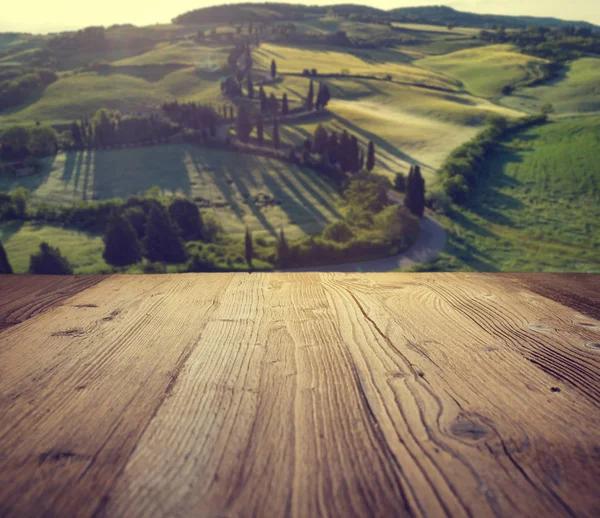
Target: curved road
x,y
430,243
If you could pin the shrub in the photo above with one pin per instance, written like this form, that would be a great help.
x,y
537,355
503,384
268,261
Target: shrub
x,y
186,216
338,231
49,261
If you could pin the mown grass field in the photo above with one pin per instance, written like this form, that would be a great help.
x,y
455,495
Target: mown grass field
x,y
83,250
485,71
238,190
409,125
537,208
331,60
576,92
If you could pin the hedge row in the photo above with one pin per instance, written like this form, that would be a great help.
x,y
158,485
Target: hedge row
x,y
464,166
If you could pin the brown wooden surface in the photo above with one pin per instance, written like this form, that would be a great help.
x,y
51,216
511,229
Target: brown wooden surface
x,y
304,395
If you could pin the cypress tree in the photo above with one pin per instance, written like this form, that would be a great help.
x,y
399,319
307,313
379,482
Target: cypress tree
x,y
273,104
310,98
243,124
250,86
320,140
283,251
260,130
415,192
231,114
263,100
285,109
399,182
273,69
354,157
276,134
4,264
344,152
361,160
248,247
162,242
121,245
371,156
76,135
332,149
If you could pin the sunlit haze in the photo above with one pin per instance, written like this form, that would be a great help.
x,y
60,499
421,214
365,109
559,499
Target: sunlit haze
x,y
73,14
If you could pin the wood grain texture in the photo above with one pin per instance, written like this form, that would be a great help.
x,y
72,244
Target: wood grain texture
x,y
305,395
24,296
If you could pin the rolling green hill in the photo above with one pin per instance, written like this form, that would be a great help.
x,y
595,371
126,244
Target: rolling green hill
x,y
577,91
485,71
537,208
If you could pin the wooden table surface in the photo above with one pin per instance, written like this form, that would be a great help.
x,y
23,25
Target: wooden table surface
x,y
305,395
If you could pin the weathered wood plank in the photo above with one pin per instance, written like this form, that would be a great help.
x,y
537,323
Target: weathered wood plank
x,y
24,296
79,384
302,395
580,291
460,374
267,419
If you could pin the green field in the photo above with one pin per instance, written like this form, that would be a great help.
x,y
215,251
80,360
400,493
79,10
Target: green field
x,y
537,208
83,250
485,71
183,52
577,91
408,124
231,187
331,60
124,88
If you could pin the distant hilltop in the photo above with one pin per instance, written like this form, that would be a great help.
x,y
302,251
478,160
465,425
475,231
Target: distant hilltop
x,y
435,15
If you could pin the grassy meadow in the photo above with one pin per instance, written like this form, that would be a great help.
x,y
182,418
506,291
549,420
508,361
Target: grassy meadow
x,y
83,250
485,71
575,92
238,190
407,124
536,209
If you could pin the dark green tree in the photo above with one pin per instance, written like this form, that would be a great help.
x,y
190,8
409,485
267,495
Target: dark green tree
x,y
49,261
273,105
333,149
162,242
78,138
260,136
371,156
243,123
354,157
276,134
344,152
4,264
415,192
361,160
186,215
323,96
263,100
273,69
400,182
285,109
283,251
310,98
248,247
121,245
320,140
250,87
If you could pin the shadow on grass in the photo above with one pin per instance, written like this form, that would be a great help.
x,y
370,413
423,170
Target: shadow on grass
x,y
378,141
124,173
9,229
